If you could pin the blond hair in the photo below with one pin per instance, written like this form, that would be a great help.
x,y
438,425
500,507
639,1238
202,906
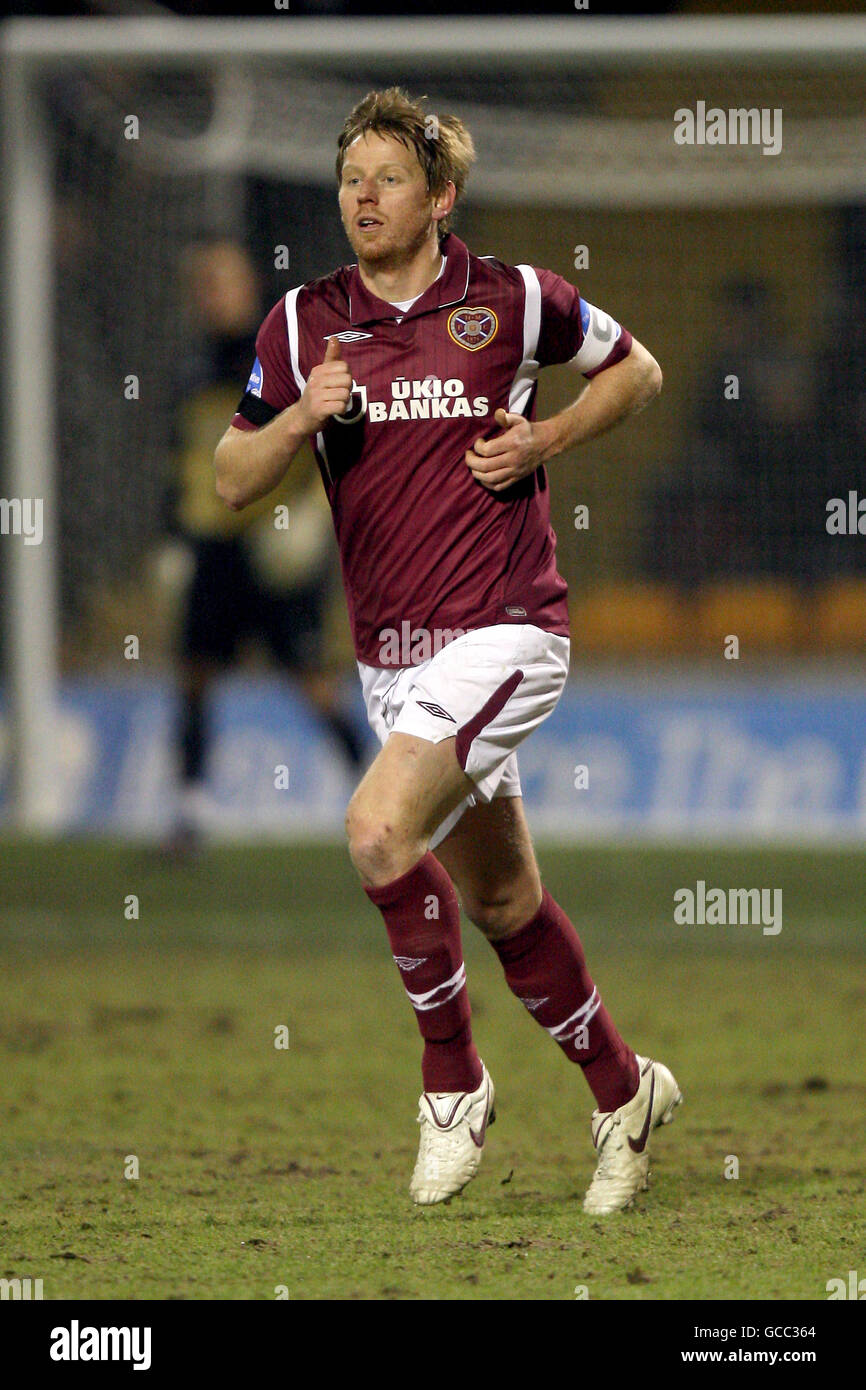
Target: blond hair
x,y
442,144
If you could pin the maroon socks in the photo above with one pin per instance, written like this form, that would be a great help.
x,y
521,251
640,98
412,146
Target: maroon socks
x,y
422,917
545,967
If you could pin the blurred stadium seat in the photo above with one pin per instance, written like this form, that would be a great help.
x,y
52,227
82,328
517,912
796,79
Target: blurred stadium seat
x,y
838,616
619,619
763,613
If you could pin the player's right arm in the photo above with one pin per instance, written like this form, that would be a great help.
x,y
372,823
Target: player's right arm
x,y
251,463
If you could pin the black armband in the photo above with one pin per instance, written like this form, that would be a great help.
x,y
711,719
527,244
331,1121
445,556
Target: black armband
x,y
254,409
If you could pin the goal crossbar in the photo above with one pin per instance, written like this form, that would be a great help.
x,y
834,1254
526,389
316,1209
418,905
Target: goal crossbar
x,y
572,42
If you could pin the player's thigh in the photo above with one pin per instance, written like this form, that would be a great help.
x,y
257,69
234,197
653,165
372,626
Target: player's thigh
x,y
409,788
489,856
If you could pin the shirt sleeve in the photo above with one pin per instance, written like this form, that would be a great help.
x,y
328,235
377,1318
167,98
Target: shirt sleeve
x,y
573,330
272,386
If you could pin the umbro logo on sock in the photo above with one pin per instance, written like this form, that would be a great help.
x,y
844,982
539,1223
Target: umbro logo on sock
x,y
437,710
533,1004
409,962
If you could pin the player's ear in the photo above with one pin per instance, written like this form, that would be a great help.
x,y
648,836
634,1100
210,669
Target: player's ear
x,y
444,201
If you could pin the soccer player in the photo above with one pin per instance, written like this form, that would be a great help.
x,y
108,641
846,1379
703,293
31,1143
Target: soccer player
x,y
414,371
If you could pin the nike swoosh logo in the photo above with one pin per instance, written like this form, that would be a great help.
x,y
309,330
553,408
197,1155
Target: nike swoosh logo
x,y
446,1123
478,1139
638,1145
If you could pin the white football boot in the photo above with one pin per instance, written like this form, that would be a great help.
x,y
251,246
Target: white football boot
x,y
621,1138
453,1125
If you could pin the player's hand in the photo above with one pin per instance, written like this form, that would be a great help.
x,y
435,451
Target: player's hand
x,y
328,390
500,462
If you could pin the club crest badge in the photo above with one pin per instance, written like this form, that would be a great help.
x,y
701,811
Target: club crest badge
x,y
472,328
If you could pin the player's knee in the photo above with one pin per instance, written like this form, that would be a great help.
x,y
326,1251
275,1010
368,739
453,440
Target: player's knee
x,y
494,917
498,915
376,846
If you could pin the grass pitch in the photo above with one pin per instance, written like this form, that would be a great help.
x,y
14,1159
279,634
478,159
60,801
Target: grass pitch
x,y
148,1046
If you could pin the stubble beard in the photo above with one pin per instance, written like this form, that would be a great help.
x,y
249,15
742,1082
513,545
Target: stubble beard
x,y
388,256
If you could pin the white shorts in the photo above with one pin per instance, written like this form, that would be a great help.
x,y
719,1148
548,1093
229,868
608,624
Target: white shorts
x,y
488,688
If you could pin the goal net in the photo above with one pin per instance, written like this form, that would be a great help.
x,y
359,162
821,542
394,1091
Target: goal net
x,y
704,181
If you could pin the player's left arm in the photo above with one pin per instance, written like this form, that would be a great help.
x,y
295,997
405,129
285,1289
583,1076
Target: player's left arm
x,y
617,392
617,388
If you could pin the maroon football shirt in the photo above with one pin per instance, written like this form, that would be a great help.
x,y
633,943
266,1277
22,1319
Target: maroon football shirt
x,y
421,541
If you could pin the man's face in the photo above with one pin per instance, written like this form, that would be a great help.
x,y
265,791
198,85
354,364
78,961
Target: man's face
x,y
384,202
222,289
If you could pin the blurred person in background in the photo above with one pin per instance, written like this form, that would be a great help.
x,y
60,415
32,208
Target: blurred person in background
x,y
246,578
745,498
841,386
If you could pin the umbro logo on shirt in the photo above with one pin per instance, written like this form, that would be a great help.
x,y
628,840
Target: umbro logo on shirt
x,y
348,335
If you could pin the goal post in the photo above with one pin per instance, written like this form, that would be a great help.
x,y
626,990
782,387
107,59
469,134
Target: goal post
x,y
29,471
284,48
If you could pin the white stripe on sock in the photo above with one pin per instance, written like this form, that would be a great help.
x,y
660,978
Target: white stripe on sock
x,y
591,1006
425,1001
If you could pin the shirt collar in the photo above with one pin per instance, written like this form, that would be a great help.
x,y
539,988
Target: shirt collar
x,y
450,288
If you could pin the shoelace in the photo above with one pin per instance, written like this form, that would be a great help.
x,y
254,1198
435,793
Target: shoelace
x,y
608,1155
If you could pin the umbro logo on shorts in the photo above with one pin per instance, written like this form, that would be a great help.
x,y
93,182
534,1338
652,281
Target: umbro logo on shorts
x,y
437,710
